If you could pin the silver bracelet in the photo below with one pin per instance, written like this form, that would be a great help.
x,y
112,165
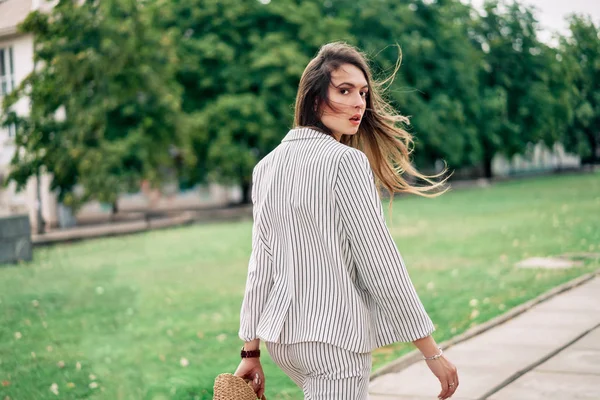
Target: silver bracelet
x,y
434,357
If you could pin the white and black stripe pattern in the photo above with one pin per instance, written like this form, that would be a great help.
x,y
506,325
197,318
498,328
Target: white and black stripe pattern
x,y
324,267
323,371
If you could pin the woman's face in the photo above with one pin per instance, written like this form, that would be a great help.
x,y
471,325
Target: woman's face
x,y
348,96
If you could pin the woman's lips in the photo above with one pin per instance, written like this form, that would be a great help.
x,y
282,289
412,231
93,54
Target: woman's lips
x,y
355,120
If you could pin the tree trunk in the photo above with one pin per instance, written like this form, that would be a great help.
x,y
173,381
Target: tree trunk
x,y
487,166
594,143
246,194
114,210
41,223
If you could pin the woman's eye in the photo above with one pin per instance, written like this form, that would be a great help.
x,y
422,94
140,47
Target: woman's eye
x,y
344,91
363,94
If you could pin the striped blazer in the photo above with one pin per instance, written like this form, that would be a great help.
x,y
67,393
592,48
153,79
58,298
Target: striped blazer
x,y
324,266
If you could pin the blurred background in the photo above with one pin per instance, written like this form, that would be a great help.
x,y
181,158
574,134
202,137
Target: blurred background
x,y
148,116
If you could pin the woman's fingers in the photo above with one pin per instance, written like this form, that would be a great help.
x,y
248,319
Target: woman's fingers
x,y
449,384
452,381
443,393
447,374
451,388
259,384
261,392
256,382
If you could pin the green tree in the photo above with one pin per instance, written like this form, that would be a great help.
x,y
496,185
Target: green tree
x,y
441,64
239,64
580,53
110,73
520,97
437,84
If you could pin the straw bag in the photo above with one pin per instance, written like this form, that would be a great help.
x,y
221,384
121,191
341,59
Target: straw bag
x,y
230,387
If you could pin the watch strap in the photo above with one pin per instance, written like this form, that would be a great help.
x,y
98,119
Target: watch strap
x,y
250,353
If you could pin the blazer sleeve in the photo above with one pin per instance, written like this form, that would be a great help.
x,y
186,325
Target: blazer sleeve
x,y
378,262
259,279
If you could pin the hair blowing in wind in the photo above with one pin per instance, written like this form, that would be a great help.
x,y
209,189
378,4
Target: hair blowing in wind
x,y
380,136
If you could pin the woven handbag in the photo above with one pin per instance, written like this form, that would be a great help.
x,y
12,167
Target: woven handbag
x,y
230,387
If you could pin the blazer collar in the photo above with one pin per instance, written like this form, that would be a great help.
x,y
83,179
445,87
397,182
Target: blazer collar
x,y
306,133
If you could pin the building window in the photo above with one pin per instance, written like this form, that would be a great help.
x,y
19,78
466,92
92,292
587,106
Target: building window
x,y
7,71
12,131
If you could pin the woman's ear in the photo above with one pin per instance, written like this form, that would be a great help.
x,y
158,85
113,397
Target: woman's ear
x,y
316,105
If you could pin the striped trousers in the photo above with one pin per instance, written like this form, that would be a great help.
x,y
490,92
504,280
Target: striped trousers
x,y
324,371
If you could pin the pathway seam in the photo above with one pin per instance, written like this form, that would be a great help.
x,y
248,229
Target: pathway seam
x,y
415,356
530,367
552,371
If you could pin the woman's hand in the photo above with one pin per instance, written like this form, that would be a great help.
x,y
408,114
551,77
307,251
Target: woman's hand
x,y
251,369
446,372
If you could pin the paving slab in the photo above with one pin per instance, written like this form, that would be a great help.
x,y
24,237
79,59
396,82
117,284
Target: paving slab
x,y
538,385
508,334
590,286
516,357
417,380
550,331
547,319
549,263
574,360
589,341
385,397
582,300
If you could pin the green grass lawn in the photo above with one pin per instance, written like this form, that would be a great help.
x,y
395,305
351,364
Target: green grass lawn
x,y
155,315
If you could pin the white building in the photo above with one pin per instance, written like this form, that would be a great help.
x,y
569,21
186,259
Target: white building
x,y
16,62
536,159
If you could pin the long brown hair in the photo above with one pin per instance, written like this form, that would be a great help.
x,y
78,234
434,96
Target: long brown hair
x,y
380,135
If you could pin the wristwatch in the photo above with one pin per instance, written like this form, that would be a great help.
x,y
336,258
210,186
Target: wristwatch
x,y
250,353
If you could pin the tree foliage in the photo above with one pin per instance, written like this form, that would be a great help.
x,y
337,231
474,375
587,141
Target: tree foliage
x,y
206,88
521,99
104,104
580,57
240,66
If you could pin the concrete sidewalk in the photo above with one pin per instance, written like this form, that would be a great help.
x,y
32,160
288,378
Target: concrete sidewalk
x,y
130,227
550,352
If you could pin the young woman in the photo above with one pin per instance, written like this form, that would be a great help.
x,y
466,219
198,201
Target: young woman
x,y
326,284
